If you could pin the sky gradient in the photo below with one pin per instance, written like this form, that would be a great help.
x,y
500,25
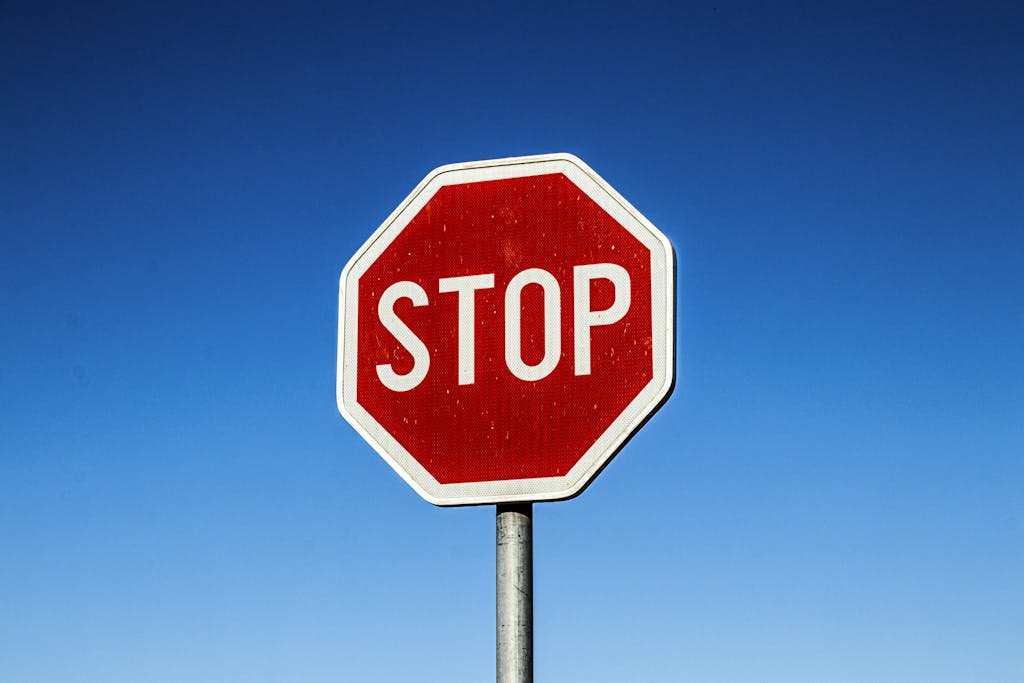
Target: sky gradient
x,y
835,491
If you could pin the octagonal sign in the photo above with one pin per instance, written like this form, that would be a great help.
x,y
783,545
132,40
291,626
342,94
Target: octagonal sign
x,y
506,330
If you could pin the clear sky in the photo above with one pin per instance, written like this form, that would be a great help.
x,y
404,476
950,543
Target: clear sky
x,y
834,493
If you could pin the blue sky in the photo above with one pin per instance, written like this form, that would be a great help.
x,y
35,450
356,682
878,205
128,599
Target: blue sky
x,y
835,492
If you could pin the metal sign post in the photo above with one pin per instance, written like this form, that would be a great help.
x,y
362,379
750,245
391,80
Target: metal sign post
x,y
515,593
501,336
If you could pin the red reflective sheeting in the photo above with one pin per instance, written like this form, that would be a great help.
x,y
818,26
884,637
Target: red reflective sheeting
x,y
502,427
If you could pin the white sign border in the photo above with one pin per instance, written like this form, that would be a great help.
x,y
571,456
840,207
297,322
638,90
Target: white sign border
x,y
614,437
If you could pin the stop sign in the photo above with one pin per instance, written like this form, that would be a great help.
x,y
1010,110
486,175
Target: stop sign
x,y
506,330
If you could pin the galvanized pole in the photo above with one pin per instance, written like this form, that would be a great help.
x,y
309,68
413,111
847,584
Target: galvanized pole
x,y
515,593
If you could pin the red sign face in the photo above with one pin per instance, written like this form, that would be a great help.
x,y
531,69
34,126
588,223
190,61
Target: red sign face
x,y
506,330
